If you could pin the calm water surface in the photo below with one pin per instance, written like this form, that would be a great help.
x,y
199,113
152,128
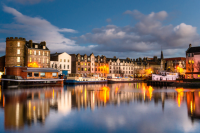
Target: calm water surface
x,y
127,107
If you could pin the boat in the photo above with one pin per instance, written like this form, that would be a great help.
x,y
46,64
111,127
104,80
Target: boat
x,y
77,79
113,79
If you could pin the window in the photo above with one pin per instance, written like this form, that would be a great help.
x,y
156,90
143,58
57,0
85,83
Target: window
x,y
85,64
60,60
81,58
89,58
78,63
64,60
88,69
88,64
42,74
38,59
36,74
29,74
78,58
30,51
54,74
68,61
18,51
78,68
39,53
18,59
198,76
47,60
55,65
18,44
43,60
67,66
85,69
34,52
36,46
81,69
95,69
101,59
92,69
92,64
47,53
30,60
44,47
43,53
60,66
81,63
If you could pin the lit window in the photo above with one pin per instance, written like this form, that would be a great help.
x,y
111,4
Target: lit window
x,y
18,51
54,74
18,59
81,58
47,61
42,74
198,75
60,60
30,60
18,44
36,46
79,69
34,52
43,53
89,58
43,60
64,60
81,63
44,47
85,69
39,53
47,53
30,51
85,64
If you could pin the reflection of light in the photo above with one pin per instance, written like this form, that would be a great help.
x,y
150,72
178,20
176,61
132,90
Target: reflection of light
x,y
150,92
33,107
191,108
179,100
53,93
116,89
104,95
17,114
180,95
3,100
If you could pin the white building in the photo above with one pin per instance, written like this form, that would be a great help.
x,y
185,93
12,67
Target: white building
x,y
165,76
121,67
61,62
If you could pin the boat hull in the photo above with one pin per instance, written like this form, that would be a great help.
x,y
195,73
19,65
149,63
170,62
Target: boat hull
x,y
84,82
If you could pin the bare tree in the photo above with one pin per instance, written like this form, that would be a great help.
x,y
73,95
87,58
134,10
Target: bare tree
x,y
197,66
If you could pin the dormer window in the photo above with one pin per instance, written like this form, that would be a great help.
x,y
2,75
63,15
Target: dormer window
x,y
36,46
44,47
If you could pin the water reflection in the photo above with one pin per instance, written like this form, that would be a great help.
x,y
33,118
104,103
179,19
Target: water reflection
x,y
24,107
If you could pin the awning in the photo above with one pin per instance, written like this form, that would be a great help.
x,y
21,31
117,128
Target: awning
x,y
40,70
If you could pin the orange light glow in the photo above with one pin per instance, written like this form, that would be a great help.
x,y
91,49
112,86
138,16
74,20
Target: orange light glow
x,y
180,95
105,69
148,71
33,64
150,92
104,95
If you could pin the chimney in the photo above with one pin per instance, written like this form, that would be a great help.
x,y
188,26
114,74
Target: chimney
x,y
190,45
31,43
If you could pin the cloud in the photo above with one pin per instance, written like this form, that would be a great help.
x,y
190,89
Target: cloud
x,y
145,37
39,29
109,20
28,1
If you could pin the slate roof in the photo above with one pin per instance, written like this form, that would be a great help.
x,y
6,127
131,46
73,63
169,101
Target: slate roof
x,y
193,50
40,46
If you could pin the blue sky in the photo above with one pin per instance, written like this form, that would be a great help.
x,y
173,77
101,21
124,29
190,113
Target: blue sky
x,y
125,28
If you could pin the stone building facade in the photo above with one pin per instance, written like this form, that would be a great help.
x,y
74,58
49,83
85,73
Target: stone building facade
x,y
89,64
121,67
20,52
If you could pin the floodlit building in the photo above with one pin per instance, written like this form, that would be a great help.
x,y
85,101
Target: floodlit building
x,y
61,62
20,52
192,62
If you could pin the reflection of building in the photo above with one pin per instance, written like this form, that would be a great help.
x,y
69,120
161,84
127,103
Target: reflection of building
x,y
27,106
122,67
61,62
192,62
20,52
193,104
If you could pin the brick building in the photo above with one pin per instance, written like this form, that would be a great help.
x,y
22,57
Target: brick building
x,y
89,64
20,52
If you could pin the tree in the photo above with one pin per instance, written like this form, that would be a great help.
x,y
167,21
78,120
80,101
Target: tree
x,y
197,66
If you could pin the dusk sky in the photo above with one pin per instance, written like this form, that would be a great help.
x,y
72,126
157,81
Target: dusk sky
x,y
122,28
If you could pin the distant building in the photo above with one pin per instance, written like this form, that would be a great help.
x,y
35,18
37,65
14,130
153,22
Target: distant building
x,y
20,52
121,67
61,62
193,62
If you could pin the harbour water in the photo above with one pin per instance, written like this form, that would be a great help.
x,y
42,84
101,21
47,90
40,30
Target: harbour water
x,y
123,107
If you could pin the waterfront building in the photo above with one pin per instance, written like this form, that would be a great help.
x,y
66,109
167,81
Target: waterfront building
x,y
20,52
121,67
88,65
61,62
192,62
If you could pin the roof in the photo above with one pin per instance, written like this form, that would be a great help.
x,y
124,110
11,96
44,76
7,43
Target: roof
x,y
40,46
175,58
193,49
40,70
